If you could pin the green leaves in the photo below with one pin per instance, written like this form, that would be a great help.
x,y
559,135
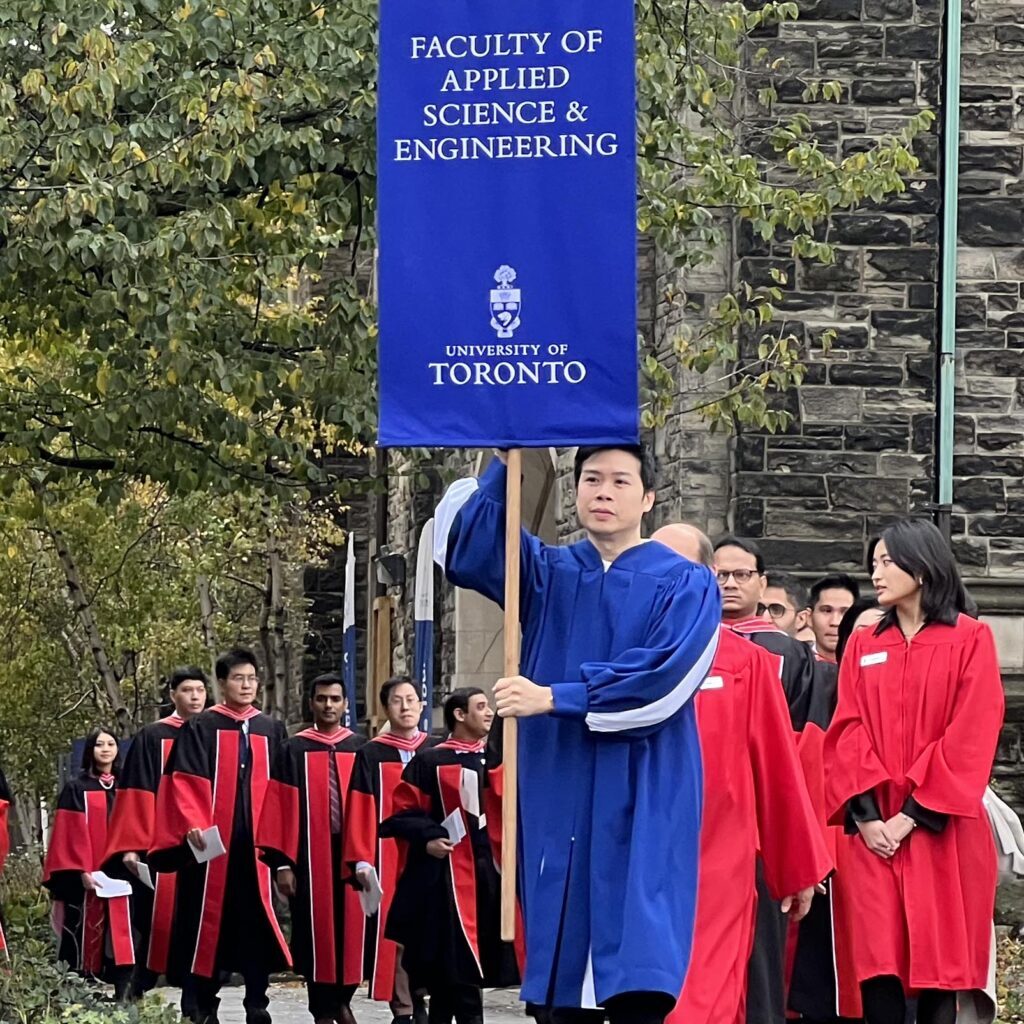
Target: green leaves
x,y
170,174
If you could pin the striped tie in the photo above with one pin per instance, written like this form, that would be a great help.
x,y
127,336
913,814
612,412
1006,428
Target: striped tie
x,y
335,796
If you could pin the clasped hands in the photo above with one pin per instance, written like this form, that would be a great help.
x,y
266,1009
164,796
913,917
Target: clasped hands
x,y
519,697
884,837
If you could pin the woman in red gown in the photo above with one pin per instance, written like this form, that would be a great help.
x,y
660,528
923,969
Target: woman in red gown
x,y
907,757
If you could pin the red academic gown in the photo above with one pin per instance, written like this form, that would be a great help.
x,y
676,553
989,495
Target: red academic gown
x,y
132,825
85,921
920,720
375,777
755,801
295,831
225,914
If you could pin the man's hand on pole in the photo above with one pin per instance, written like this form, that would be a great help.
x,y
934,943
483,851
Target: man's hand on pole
x,y
519,697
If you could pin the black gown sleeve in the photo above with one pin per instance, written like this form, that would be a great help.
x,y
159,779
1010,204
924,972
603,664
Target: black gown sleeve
x,y
860,809
934,821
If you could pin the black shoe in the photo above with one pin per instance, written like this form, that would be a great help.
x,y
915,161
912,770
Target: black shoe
x,y
257,1017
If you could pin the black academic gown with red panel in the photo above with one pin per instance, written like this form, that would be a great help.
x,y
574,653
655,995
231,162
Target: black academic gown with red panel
x,y
131,830
822,984
295,831
755,804
766,990
225,911
446,913
916,731
375,777
87,925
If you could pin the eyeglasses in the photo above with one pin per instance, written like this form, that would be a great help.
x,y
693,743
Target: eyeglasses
x,y
776,611
739,575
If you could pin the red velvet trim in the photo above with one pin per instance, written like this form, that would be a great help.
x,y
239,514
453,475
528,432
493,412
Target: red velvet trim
x,y
236,716
329,739
400,742
461,860
131,823
161,923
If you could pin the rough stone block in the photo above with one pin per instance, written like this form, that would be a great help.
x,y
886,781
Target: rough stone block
x,y
921,296
1001,441
1006,159
900,264
812,555
877,438
866,374
987,117
869,229
901,328
905,467
869,494
791,485
997,362
852,463
992,222
782,522
979,494
988,465
830,404
971,311
829,10
920,43
923,439
970,553
996,526
844,275
749,517
888,10
884,93
750,453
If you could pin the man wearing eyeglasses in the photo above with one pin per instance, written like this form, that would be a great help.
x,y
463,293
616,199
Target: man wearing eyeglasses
x,y
785,601
742,579
214,786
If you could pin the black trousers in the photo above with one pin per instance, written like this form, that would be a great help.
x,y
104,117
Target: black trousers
x,y
326,1001
464,1003
199,996
625,1008
886,1003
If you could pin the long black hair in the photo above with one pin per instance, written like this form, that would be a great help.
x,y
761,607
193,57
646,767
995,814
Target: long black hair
x,y
88,761
919,549
847,622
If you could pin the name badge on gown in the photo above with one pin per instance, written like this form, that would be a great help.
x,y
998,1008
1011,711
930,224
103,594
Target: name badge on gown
x,y
878,658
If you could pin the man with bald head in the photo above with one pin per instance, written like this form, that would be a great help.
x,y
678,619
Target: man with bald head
x,y
755,801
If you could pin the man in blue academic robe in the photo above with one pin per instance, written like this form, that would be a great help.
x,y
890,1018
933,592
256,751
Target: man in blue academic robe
x,y
618,635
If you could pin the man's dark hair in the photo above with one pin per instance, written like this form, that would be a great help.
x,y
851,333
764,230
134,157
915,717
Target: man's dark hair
x,y
186,674
835,581
732,541
845,628
648,469
385,690
233,658
458,700
88,759
326,679
919,549
794,589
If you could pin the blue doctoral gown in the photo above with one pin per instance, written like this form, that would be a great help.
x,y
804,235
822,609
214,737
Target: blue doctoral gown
x,y
610,782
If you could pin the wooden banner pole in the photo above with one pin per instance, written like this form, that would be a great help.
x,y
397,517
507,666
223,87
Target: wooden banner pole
x,y
510,744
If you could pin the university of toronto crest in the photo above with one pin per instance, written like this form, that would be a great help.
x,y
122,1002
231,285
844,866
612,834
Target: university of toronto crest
x,y
506,302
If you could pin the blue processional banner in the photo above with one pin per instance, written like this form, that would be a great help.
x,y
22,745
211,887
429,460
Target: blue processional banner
x,y
507,223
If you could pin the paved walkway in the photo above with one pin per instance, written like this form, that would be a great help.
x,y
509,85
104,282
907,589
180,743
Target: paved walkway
x,y
288,1006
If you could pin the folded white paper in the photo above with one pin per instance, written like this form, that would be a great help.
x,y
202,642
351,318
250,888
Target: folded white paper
x,y
145,876
455,827
108,888
214,845
469,792
370,898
